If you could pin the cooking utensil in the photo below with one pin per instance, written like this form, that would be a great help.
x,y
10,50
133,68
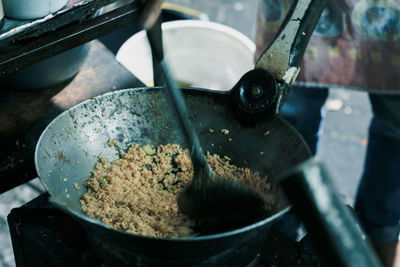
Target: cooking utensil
x,y
70,145
259,91
69,148
208,197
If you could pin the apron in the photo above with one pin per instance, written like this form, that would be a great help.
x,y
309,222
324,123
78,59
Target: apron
x,y
355,45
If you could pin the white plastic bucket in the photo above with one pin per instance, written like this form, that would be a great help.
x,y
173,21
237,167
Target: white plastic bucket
x,y
199,53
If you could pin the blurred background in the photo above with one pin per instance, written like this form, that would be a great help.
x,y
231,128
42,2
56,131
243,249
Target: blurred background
x,y
344,131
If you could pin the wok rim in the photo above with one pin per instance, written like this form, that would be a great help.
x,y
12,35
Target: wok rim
x,y
90,220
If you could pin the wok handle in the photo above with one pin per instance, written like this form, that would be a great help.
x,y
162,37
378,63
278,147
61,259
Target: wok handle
x,y
284,55
264,89
332,227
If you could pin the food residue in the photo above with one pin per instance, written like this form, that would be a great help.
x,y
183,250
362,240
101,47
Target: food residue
x,y
225,131
76,186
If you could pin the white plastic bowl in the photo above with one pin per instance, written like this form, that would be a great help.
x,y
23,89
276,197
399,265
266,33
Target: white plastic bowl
x,y
31,9
199,53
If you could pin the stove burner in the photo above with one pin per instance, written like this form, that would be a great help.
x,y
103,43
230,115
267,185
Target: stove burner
x,y
44,236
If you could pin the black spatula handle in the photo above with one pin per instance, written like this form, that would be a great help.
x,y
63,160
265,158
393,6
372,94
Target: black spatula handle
x,y
177,102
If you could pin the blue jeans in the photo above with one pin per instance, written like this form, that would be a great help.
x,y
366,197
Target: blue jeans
x,y
377,202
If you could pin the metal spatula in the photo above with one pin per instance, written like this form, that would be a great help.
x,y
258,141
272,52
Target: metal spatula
x,y
225,204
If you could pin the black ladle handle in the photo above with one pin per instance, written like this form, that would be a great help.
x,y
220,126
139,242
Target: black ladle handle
x,y
157,53
174,95
332,227
284,55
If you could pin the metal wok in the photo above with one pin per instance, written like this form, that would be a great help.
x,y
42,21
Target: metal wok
x,y
69,147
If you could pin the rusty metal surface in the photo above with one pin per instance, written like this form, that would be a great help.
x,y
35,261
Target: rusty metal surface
x,y
14,31
30,51
24,115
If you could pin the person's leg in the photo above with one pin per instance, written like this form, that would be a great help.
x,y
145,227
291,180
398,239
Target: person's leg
x,y
302,109
378,195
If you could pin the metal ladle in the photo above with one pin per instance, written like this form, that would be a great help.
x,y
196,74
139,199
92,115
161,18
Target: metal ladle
x,y
258,94
224,203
